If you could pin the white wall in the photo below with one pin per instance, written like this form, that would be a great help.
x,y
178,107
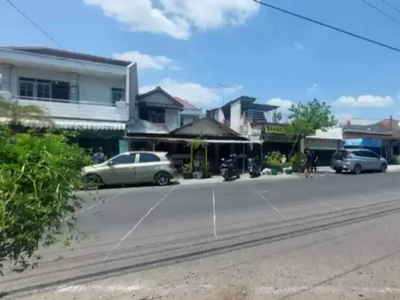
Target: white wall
x,y
187,119
236,109
91,88
172,118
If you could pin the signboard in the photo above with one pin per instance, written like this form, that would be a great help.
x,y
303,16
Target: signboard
x,y
363,142
278,138
321,144
123,146
274,129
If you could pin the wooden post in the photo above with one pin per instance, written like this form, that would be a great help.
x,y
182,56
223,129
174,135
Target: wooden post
x,y
205,158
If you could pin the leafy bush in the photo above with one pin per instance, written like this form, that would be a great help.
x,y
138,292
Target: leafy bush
x,y
38,176
187,168
298,162
274,160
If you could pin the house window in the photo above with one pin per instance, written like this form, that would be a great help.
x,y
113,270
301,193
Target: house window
x,y
153,114
43,89
26,87
60,90
117,95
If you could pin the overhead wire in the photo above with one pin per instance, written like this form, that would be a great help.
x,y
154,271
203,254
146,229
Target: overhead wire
x,y
354,35
391,6
380,11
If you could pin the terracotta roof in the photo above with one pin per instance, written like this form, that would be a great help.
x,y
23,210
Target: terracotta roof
x,y
186,104
70,55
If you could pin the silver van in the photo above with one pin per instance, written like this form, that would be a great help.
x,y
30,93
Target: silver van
x,y
357,160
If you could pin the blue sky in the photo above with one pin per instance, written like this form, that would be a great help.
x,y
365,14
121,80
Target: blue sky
x,y
190,48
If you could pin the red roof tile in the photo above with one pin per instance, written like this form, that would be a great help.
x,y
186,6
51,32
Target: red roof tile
x,y
186,104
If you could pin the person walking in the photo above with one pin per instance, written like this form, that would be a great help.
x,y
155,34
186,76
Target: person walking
x,y
315,162
309,161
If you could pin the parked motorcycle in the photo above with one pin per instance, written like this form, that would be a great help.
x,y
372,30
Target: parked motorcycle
x,y
254,168
229,168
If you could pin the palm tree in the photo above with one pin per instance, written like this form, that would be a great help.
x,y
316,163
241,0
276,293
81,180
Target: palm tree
x,y
15,114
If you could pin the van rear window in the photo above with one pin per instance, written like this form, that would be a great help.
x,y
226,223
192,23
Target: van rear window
x,y
340,154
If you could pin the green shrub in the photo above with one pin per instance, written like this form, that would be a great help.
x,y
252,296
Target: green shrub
x,y
274,160
298,162
38,176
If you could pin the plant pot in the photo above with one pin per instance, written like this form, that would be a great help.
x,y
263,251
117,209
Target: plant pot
x,y
187,175
198,175
274,172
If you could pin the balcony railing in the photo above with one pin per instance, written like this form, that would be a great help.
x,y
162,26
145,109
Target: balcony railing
x,y
17,98
80,110
273,116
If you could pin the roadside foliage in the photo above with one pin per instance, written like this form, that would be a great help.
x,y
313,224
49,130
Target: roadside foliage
x,y
38,176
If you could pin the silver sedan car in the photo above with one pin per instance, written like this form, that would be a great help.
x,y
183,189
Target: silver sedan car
x,y
357,160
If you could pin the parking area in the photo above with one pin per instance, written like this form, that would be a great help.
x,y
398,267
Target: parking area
x,y
128,230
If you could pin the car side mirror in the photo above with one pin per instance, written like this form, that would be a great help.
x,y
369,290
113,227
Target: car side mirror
x,y
110,163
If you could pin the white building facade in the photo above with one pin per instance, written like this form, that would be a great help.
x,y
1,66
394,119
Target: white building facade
x,y
79,91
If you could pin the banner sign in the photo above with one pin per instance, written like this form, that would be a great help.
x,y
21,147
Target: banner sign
x,y
321,144
363,142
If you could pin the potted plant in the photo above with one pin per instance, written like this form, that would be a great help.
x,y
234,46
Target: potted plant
x,y
187,171
298,162
274,161
288,168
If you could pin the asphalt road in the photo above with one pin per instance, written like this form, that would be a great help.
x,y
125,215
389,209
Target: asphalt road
x,y
327,236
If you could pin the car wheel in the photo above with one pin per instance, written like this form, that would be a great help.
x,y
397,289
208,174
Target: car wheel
x,y
163,179
357,169
383,168
92,181
338,170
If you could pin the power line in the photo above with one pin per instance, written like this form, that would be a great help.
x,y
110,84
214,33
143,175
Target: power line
x,y
49,36
391,6
380,11
328,26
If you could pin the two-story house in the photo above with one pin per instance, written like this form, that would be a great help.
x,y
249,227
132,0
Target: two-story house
x,y
82,92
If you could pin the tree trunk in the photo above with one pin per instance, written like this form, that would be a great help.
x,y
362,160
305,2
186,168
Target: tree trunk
x,y
293,147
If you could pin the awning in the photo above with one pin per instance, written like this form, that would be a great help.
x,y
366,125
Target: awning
x,y
72,124
170,139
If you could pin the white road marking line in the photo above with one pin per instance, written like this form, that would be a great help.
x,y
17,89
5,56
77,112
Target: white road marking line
x,y
214,214
141,220
266,290
270,204
97,204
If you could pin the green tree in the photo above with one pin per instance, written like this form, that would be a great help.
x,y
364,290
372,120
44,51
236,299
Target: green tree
x,y
38,177
16,114
306,118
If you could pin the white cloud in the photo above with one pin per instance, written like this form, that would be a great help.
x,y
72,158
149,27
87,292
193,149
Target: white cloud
x,y
195,93
284,104
365,100
177,17
146,61
298,45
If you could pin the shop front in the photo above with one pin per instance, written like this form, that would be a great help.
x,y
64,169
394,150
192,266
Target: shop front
x,y
322,148
275,139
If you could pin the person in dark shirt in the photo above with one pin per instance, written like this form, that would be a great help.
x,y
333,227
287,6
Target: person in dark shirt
x,y
314,162
99,156
309,162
